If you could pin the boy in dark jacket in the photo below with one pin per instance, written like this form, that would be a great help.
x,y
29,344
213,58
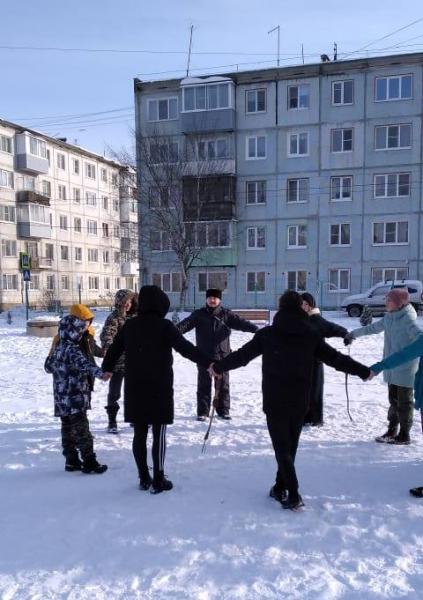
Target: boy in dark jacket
x,y
213,325
125,308
147,341
72,371
325,329
289,348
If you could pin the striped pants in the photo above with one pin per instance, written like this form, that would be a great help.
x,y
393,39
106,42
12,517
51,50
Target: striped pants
x,y
139,447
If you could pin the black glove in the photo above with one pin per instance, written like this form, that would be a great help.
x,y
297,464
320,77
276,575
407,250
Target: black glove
x,y
348,339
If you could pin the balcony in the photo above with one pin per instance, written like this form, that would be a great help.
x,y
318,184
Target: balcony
x,y
30,163
130,268
221,166
33,220
33,197
41,262
208,121
209,198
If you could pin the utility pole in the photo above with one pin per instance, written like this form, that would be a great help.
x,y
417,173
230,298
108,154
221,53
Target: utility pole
x,y
302,52
278,29
189,49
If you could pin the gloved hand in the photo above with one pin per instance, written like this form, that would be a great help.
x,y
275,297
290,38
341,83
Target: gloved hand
x,y
348,339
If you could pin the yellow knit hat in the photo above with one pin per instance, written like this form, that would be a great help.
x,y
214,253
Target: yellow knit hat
x,y
80,311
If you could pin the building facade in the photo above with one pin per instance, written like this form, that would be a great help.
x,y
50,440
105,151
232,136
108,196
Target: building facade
x,y
325,162
74,212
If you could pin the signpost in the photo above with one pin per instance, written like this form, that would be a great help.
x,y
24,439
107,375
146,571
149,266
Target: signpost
x,y
25,266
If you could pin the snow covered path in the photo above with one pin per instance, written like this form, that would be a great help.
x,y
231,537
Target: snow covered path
x,y
217,534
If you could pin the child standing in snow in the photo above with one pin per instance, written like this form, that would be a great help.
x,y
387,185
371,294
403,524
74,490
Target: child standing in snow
x,y
72,372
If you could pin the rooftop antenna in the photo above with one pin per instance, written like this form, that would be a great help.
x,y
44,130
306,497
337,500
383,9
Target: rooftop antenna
x,y
302,52
335,51
189,49
278,29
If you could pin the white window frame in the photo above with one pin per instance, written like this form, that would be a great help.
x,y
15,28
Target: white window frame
x,y
92,255
37,147
256,139
93,282
387,186
212,144
106,257
393,148
207,87
6,179
90,170
387,279
297,287
256,184
61,161
152,101
77,224
8,248
63,222
343,130
64,252
103,174
297,181
61,191
297,236
76,166
7,213
339,243
92,227
6,144
9,281
254,93
257,237
338,289
390,78
342,82
341,188
298,86
209,280
78,254
172,278
90,199
256,275
385,243
298,135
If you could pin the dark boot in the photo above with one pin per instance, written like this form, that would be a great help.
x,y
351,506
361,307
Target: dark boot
x,y
278,493
145,480
112,413
388,435
293,501
402,439
90,465
160,483
73,463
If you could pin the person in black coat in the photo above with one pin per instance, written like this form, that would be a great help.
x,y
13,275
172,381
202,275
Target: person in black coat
x,y
213,325
325,329
147,341
289,348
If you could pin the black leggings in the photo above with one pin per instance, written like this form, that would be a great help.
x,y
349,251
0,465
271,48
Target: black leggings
x,y
139,447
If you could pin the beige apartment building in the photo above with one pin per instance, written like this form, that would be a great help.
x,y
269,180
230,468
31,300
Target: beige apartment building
x,y
73,211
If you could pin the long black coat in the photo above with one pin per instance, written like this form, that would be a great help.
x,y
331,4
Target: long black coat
x,y
213,329
289,348
147,341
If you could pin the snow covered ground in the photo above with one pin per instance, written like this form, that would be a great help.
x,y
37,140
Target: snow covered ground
x,y
217,534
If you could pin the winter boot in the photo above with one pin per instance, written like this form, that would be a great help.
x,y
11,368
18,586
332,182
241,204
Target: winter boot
x,y
73,463
91,465
160,484
417,492
112,426
224,416
278,493
145,480
402,439
293,501
388,435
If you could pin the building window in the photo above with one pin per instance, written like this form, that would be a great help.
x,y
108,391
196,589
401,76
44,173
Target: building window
x,y
75,166
37,147
93,283
256,238
213,234
104,175
63,222
341,140
212,279
390,233
297,236
341,188
78,254
343,92
339,280
91,227
76,192
165,109
206,97
60,161
385,274
62,192
297,281
8,248
107,283
38,213
397,87
50,281
298,190
256,147
392,137
164,153
77,225
6,144
49,251
6,178
64,252
116,231
64,282
28,183
105,202
256,281
105,229
106,257
90,170
10,282
256,192
92,255
90,199
46,188
116,257
340,234
7,213
298,96
211,149
168,282
34,284
298,144
392,185
114,179
255,101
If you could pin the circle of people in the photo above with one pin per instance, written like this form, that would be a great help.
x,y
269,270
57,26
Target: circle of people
x,y
136,346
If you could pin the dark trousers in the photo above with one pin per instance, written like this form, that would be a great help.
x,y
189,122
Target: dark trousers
x,y
115,387
139,447
401,407
285,433
204,390
76,436
315,410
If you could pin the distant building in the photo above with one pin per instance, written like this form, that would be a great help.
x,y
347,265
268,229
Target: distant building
x,y
73,211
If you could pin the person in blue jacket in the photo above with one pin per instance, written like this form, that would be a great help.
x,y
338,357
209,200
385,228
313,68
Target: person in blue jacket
x,y
407,354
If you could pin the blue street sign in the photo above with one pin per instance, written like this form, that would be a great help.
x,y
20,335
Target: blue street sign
x,y
26,275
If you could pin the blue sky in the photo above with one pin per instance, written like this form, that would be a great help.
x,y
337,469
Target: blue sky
x,y
42,88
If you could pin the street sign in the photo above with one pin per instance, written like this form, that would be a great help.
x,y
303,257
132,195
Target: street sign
x,y
24,261
26,275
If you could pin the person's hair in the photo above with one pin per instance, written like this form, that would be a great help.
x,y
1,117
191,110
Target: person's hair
x,y
290,300
309,299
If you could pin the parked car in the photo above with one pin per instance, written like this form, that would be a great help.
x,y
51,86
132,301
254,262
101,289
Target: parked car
x,y
374,297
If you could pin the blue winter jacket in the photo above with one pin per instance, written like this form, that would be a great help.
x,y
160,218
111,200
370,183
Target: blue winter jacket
x,y
71,370
410,352
400,329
